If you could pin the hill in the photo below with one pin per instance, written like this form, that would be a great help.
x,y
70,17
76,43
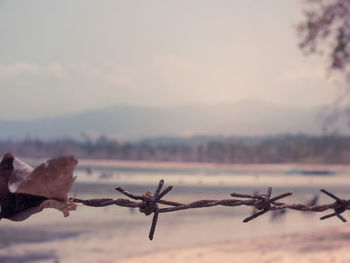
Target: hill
x,y
245,118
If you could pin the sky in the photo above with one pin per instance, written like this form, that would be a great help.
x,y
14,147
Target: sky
x,y
60,57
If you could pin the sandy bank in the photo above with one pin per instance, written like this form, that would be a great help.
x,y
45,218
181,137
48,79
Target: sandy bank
x,y
331,245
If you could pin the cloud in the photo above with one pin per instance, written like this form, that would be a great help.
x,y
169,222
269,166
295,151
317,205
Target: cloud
x,y
119,80
174,62
55,69
18,68
112,74
85,70
302,73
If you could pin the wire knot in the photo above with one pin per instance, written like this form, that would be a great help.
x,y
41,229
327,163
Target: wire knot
x,y
149,203
263,203
148,207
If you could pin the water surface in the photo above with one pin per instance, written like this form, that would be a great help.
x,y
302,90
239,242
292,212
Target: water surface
x,y
111,233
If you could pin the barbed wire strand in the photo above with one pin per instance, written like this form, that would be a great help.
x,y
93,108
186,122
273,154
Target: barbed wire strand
x,y
149,204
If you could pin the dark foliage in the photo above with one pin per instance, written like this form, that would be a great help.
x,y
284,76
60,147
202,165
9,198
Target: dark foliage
x,y
327,28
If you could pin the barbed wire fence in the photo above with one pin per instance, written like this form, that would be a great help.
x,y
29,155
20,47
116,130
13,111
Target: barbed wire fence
x,y
149,204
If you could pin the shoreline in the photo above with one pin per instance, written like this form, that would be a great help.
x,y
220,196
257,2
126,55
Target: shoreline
x,y
328,245
172,164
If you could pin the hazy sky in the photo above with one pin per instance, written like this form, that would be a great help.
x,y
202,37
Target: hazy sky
x,y
68,56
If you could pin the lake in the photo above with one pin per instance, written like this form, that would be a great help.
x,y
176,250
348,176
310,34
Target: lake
x,y
112,233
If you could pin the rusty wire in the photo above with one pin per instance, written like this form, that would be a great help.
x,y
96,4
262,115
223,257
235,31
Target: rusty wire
x,y
149,204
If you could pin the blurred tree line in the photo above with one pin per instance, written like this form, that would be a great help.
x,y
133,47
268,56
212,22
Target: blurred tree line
x,y
275,149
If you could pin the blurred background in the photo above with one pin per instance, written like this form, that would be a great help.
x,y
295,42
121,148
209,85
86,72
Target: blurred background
x,y
211,96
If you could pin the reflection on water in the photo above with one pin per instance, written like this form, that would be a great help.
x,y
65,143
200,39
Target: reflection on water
x,y
214,175
111,233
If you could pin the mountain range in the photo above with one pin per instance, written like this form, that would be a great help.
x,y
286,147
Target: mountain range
x,y
245,118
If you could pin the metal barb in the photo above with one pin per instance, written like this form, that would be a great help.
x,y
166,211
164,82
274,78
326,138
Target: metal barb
x,y
339,206
154,223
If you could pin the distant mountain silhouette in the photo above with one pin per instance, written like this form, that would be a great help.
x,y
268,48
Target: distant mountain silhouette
x,y
244,118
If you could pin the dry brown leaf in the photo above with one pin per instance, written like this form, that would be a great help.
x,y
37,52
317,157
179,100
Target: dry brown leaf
x,y
23,215
6,169
61,206
24,191
53,179
20,172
